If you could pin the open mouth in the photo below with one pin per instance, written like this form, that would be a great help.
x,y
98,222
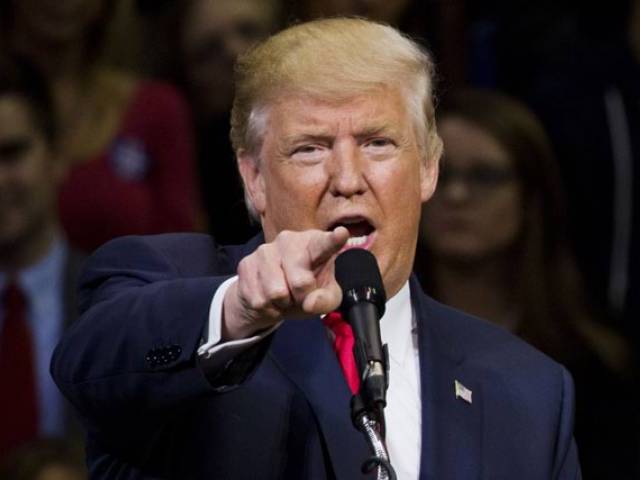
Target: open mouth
x,y
360,232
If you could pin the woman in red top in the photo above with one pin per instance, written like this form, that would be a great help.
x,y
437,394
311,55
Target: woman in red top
x,y
127,142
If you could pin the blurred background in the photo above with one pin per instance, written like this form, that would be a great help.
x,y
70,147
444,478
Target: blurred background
x,y
114,120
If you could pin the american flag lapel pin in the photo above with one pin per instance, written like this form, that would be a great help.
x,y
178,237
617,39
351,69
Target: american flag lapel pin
x,y
463,392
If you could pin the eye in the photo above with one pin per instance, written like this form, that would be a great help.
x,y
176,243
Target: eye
x,y
379,145
379,142
309,153
14,150
306,149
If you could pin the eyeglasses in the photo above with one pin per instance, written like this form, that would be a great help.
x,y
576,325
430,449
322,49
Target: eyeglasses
x,y
482,178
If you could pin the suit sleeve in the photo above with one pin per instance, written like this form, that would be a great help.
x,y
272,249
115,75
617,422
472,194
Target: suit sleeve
x,y
132,353
566,464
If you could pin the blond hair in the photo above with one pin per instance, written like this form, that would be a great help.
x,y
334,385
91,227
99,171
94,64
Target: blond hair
x,y
332,60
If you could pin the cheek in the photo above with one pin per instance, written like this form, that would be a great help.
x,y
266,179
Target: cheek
x,y
399,192
297,184
293,196
504,222
36,189
402,179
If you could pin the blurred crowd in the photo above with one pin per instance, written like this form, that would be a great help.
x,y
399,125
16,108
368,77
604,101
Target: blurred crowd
x,y
114,120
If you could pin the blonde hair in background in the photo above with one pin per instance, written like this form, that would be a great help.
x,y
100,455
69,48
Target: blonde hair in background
x,y
332,60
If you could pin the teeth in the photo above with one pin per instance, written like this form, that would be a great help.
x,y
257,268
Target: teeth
x,y
356,241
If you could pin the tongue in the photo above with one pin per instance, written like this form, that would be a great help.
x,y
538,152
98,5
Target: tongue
x,y
358,229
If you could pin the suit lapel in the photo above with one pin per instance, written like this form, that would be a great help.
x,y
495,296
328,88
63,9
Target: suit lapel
x,y
303,352
451,427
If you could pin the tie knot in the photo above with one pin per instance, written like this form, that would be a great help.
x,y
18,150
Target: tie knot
x,y
336,323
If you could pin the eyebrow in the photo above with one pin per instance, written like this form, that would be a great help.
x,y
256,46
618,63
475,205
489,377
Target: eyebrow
x,y
306,137
326,137
376,130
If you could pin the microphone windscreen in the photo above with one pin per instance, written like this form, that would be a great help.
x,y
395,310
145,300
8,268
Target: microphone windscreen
x,y
357,268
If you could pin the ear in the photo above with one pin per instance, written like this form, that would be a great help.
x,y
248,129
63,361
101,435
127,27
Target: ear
x,y
253,180
428,178
429,169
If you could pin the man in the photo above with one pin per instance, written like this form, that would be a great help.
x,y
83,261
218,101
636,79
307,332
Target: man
x,y
37,269
192,360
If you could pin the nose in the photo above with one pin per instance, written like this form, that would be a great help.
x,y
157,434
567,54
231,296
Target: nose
x,y
346,170
455,190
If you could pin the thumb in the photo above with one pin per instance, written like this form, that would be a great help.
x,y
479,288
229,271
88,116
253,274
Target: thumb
x,y
323,300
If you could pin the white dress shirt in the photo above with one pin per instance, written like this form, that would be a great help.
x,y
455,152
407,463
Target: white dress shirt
x,y
403,411
43,285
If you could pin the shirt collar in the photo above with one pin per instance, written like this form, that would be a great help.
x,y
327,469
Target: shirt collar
x,y
396,325
38,277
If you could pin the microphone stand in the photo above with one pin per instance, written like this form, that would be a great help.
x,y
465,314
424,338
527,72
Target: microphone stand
x,y
367,415
373,432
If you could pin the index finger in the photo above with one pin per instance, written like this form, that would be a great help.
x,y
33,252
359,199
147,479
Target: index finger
x,y
323,246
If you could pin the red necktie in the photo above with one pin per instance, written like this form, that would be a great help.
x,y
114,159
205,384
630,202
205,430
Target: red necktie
x,y
343,346
18,407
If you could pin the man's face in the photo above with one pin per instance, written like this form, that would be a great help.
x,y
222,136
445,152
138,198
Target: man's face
x,y
357,164
28,174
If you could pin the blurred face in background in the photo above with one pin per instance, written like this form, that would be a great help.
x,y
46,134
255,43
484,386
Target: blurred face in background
x,y
29,174
388,11
215,32
57,21
477,210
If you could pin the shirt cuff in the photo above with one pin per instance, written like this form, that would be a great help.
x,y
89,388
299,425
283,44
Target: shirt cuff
x,y
214,353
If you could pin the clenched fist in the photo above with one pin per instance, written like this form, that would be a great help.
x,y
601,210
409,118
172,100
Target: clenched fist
x,y
292,276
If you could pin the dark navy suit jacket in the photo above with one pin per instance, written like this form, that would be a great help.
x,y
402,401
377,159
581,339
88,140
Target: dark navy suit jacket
x,y
281,409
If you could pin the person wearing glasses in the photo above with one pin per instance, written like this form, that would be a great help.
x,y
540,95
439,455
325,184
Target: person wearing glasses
x,y
493,244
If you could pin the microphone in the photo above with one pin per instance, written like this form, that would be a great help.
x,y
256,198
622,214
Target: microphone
x,y
363,304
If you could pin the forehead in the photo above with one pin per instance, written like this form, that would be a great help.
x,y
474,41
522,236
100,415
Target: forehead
x,y
383,109
466,143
